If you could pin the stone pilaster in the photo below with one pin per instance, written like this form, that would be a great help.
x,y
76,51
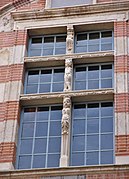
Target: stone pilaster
x,y
70,40
68,75
66,117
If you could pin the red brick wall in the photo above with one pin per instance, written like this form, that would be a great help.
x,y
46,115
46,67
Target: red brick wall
x,y
7,152
122,145
121,102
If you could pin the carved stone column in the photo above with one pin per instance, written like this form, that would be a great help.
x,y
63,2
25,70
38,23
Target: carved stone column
x,y
65,142
68,75
70,40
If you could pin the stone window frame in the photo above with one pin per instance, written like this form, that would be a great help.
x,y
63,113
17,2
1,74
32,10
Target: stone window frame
x,y
48,4
99,150
99,78
42,44
53,69
34,137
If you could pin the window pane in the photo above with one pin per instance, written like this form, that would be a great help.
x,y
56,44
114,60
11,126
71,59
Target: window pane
x,y
105,47
41,129
36,40
39,161
33,77
54,145
82,38
58,75
81,49
61,39
107,157
80,85
107,110
94,36
93,110
45,76
35,52
93,126
48,51
56,113
106,141
106,34
32,89
29,114
79,111
107,124
55,128
93,72
79,127
78,159
93,48
53,160
106,83
40,145
57,87
42,113
93,142
80,73
24,162
106,71
44,88
48,40
92,158
60,51
26,146
28,130
78,143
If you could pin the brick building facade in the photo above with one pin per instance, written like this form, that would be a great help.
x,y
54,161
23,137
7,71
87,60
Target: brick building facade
x,y
64,92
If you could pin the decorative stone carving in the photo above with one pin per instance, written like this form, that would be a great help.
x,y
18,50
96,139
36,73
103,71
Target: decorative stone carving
x,y
70,40
68,75
66,114
6,23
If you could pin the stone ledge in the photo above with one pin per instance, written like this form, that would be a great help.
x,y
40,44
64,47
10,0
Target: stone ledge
x,y
77,58
71,11
56,98
67,171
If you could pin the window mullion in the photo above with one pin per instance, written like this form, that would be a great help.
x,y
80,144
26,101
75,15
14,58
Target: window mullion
x,y
42,50
99,133
85,162
33,144
48,137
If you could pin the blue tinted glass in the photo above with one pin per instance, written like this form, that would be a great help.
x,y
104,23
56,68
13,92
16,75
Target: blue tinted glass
x,y
45,76
41,129
93,126
80,73
92,158
93,142
79,126
39,161
33,77
107,141
93,111
35,52
106,111
26,146
48,51
24,162
107,157
31,89
58,75
80,85
53,160
78,143
106,83
56,113
44,88
107,124
60,50
93,48
78,159
80,112
28,130
54,145
55,128
29,114
57,87
42,113
40,145
81,49
93,84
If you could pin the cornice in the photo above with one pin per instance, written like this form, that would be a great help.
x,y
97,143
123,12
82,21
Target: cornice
x,y
71,11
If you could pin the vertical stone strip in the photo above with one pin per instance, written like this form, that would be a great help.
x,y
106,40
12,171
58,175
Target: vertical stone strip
x,y
70,40
68,75
66,118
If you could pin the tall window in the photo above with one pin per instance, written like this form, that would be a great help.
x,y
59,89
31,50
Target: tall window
x,y
47,45
92,134
45,80
40,137
93,76
94,41
60,3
